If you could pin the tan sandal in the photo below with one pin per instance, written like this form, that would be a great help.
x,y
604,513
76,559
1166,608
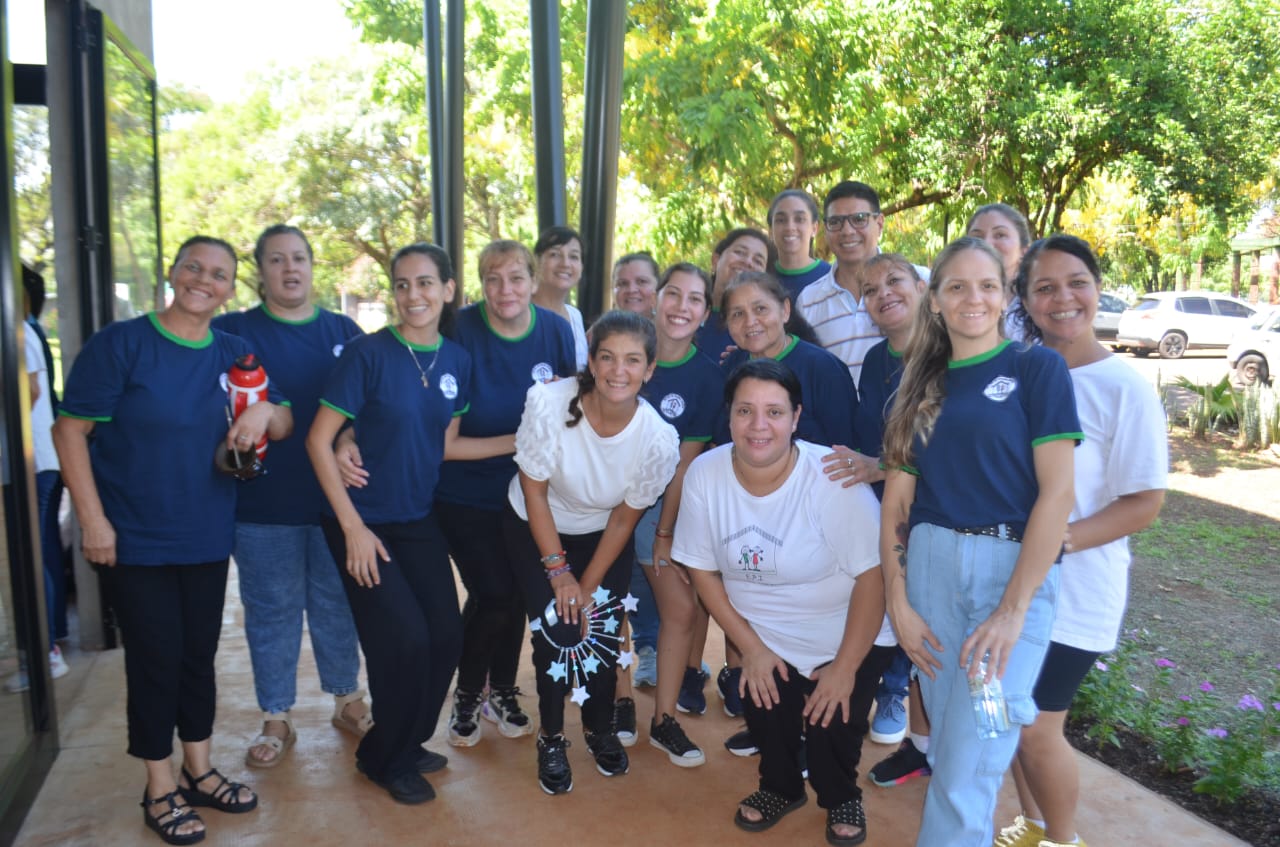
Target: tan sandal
x,y
356,726
278,746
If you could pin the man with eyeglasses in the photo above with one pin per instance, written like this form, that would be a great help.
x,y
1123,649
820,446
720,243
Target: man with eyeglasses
x,y
832,304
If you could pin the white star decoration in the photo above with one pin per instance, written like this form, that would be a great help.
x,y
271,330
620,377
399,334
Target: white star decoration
x,y
626,659
590,665
580,695
611,625
536,625
587,653
600,596
556,671
629,603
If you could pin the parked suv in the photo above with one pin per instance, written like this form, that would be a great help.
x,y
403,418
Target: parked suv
x,y
1255,352
1173,322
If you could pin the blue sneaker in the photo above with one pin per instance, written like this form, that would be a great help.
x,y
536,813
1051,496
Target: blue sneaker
x,y
691,700
646,672
889,726
727,682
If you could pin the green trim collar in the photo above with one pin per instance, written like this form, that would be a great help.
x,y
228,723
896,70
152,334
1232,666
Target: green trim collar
x,y
981,357
315,313
420,348
181,342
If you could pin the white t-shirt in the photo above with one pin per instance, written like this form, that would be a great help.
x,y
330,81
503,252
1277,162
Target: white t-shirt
x,y
789,558
588,475
1125,450
579,334
42,413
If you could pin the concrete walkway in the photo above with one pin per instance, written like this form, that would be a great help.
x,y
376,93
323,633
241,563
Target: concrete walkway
x,y
489,793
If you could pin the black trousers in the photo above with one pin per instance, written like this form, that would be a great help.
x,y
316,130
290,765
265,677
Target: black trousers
x,y
597,711
833,752
410,633
493,614
170,618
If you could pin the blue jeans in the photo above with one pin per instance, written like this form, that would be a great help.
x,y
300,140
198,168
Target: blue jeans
x,y
284,571
896,677
644,621
48,496
954,582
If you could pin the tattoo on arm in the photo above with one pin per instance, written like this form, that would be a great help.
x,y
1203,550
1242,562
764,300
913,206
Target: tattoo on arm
x,y
901,547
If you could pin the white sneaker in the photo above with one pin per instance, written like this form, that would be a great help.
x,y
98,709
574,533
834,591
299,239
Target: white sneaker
x,y
19,682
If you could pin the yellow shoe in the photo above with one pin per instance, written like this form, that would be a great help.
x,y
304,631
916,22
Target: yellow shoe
x,y
1044,842
1021,833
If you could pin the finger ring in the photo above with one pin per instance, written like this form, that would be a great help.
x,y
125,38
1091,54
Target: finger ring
x,y
573,601
849,463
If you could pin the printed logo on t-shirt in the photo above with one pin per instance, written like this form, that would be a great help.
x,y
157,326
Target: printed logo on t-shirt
x,y
1001,388
337,350
672,406
542,372
449,386
752,552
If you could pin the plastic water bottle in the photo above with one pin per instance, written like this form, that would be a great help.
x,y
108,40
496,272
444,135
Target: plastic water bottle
x,y
990,711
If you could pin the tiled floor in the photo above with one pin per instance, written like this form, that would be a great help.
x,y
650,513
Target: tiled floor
x,y
488,794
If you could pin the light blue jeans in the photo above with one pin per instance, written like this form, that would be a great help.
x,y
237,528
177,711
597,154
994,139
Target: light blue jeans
x,y
954,582
285,571
644,621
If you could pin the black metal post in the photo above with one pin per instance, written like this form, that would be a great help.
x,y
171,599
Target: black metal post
x,y
435,117
548,112
454,115
606,30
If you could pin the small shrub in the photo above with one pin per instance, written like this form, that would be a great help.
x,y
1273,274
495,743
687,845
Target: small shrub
x,y
1215,406
1259,417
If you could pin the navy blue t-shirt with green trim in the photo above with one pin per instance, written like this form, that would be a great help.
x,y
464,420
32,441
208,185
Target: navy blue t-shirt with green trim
x,y
400,423
978,468
713,337
881,374
796,279
298,357
159,405
503,369
828,397
688,394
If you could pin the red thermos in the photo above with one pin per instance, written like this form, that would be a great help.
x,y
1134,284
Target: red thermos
x,y
246,385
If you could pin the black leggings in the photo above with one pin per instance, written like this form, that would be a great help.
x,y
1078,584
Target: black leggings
x,y
493,615
170,618
410,632
597,711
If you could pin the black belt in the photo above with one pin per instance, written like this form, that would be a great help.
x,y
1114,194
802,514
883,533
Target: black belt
x,y
1007,531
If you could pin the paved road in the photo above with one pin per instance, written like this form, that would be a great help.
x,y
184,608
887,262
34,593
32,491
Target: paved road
x,y
1200,367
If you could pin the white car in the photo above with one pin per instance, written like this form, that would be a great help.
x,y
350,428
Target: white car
x,y
1173,322
1255,351
1106,323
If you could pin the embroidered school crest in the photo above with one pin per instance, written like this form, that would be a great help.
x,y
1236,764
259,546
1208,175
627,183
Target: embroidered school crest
x,y
542,372
1001,388
337,350
449,386
672,406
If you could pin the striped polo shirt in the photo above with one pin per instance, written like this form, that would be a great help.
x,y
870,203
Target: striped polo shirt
x,y
841,321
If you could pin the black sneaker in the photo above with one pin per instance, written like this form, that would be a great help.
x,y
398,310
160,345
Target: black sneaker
x,y
606,749
430,762
554,775
905,763
408,788
691,700
503,708
624,721
464,723
727,682
740,744
669,736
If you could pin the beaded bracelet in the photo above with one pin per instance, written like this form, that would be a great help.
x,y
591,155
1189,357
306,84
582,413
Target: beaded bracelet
x,y
553,559
552,573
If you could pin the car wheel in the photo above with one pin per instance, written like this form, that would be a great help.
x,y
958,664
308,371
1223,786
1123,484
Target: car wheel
x,y
1173,345
1141,352
1250,369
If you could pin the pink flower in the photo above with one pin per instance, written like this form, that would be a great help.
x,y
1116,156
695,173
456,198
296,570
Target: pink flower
x,y
1248,701
1186,698
1102,666
1165,663
1184,722
1216,732
1206,686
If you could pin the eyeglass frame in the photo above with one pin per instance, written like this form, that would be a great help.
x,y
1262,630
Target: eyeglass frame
x,y
835,223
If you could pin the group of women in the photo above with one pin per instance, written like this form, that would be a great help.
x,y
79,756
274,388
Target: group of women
x,y
546,461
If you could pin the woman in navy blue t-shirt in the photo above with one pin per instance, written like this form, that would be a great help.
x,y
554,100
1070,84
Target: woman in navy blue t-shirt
x,y
156,513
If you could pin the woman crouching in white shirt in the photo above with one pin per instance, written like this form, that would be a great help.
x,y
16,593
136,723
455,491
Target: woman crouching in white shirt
x,y
787,564
593,455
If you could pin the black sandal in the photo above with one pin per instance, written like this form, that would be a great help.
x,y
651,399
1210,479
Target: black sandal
x,y
771,806
225,797
849,813
176,816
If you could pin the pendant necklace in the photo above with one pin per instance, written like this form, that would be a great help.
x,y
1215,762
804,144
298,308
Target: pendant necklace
x,y
426,382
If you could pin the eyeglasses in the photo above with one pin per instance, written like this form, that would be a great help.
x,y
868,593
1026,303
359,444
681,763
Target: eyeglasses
x,y
859,220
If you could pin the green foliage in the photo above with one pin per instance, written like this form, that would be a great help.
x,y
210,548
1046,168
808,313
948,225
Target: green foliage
x,y
1215,406
1259,416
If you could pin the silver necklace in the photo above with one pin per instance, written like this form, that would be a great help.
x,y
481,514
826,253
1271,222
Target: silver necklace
x,y
426,382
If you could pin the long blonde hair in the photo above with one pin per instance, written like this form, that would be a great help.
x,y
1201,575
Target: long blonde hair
x,y
924,374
